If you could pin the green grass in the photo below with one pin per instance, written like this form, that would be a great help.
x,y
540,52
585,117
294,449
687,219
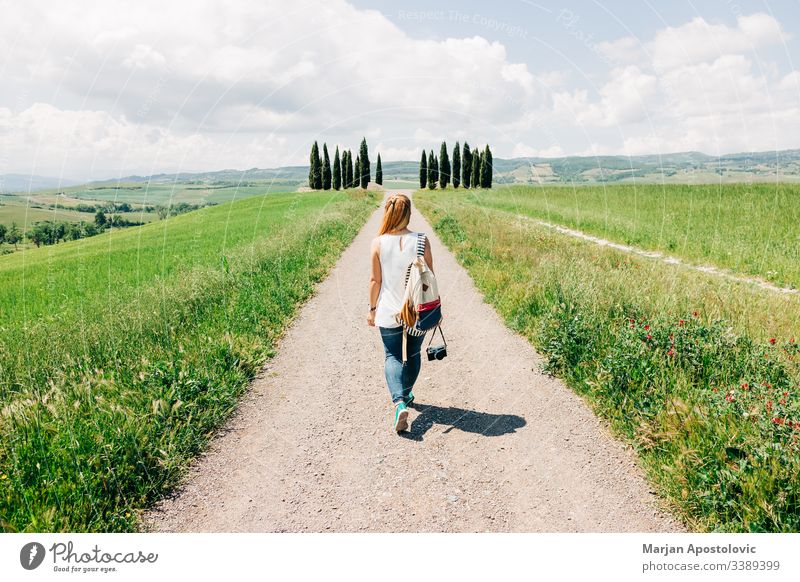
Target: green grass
x,y
120,354
21,213
747,228
164,193
698,373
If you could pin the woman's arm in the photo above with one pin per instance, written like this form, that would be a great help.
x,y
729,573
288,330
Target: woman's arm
x,y
374,279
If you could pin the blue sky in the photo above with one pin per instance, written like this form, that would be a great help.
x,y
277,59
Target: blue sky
x,y
112,88
540,33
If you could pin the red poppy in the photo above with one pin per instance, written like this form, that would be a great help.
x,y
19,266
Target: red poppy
x,y
772,340
696,314
646,327
649,336
681,322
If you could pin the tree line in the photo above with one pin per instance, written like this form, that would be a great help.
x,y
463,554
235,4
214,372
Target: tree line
x,y
344,173
50,232
470,168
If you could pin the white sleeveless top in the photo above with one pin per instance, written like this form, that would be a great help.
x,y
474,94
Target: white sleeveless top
x,y
394,266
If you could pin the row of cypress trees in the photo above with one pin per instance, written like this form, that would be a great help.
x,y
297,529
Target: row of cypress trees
x,y
470,168
344,174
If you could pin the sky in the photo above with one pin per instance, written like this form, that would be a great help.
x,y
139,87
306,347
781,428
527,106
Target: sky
x,y
106,89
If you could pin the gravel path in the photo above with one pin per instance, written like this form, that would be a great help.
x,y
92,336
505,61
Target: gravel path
x,y
494,444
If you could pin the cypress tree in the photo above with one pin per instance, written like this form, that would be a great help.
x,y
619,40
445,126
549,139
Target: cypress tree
x,y
314,168
456,166
378,171
326,168
357,174
435,168
486,168
364,158
431,172
466,165
345,170
444,166
476,168
423,170
350,170
337,170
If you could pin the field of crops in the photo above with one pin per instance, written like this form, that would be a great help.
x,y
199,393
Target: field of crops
x,y
700,374
748,228
121,353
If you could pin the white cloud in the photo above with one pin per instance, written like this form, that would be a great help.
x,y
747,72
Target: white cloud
x,y
305,70
120,87
698,40
625,50
625,98
522,150
698,86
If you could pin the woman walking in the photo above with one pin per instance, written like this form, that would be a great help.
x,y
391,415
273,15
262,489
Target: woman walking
x,y
392,252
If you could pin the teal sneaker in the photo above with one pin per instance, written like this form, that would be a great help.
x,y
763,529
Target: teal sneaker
x,y
400,417
410,399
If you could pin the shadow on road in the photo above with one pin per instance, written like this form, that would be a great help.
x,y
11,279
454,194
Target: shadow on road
x,y
481,423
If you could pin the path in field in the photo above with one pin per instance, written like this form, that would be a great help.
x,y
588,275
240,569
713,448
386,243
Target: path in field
x,y
494,445
670,260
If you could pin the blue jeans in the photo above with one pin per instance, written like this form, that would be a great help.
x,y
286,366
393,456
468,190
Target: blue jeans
x,y
399,376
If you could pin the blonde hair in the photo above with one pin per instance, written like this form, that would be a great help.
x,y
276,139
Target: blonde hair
x,y
396,213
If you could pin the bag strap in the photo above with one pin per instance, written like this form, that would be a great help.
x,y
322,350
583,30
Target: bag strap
x,y
430,341
421,244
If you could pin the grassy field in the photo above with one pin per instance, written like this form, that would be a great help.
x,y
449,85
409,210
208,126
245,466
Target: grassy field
x,y
164,193
699,373
25,214
120,354
747,228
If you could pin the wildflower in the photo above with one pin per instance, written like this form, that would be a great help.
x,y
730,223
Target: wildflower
x,y
715,389
649,337
777,420
772,340
786,394
681,322
647,327
769,404
671,352
695,314
730,397
745,386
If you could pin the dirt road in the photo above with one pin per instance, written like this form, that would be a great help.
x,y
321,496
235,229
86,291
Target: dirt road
x,y
494,444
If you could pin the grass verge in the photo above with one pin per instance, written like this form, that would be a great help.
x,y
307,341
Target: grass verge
x,y
699,374
104,401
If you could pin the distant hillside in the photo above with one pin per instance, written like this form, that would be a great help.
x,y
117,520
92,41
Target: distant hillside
x,y
682,167
24,182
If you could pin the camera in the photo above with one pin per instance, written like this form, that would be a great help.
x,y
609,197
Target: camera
x,y
437,353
